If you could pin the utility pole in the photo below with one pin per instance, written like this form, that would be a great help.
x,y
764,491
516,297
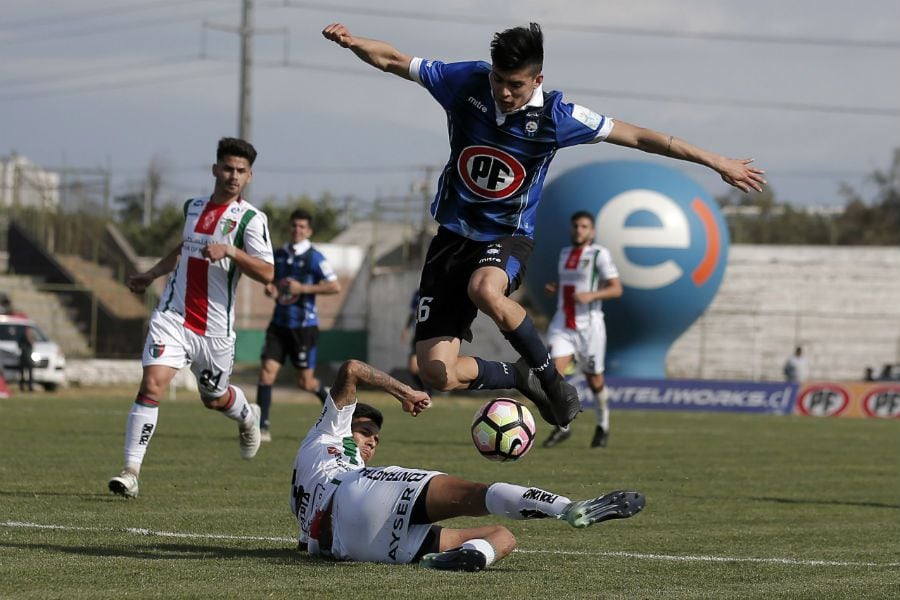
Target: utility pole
x,y
247,30
246,93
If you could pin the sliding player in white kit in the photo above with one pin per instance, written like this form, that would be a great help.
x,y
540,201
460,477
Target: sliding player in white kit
x,y
587,276
224,237
348,511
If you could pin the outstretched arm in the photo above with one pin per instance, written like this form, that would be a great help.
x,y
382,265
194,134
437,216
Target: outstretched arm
x,y
380,55
734,171
354,372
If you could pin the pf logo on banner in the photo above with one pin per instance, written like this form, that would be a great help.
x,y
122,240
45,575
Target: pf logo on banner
x,y
883,402
826,400
667,238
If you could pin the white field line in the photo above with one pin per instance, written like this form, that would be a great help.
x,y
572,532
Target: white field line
x,y
612,554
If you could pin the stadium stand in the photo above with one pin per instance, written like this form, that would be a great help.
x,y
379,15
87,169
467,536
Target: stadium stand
x,y
838,303
109,290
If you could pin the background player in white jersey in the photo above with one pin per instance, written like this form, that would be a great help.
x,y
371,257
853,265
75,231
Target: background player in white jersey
x,y
504,129
586,277
224,237
348,511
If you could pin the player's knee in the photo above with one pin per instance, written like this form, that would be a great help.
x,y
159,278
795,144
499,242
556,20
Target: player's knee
x,y
310,385
436,375
503,541
268,373
213,403
153,386
486,297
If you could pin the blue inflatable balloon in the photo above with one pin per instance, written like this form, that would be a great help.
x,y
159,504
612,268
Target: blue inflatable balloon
x,y
666,236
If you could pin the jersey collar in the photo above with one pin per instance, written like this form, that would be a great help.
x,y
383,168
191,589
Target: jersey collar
x,y
300,247
536,101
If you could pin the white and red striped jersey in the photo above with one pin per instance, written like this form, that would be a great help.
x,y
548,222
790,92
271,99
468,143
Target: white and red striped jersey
x,y
202,292
581,269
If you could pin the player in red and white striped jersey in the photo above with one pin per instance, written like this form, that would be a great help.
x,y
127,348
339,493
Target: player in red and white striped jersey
x,y
224,237
587,276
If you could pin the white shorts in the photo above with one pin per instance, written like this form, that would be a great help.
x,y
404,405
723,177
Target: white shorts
x,y
370,514
171,344
588,345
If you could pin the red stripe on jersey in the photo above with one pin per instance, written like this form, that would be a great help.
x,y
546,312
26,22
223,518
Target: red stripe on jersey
x,y
211,214
568,291
196,296
568,298
574,256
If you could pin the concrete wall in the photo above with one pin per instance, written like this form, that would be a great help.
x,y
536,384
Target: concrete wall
x,y
841,304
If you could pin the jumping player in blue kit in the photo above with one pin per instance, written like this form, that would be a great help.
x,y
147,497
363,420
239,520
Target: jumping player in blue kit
x,y
301,273
504,130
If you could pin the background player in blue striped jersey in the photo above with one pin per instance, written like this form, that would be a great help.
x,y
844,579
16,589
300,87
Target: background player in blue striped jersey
x,y
504,130
301,273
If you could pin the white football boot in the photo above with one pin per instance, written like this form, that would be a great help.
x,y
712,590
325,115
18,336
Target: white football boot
x,y
124,484
249,436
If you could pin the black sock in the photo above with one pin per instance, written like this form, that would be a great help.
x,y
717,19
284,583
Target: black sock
x,y
264,399
526,341
493,375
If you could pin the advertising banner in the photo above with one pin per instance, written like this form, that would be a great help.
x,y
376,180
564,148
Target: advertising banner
x,y
880,400
689,394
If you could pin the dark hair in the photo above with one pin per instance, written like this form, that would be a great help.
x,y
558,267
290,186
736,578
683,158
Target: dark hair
x,y
367,411
236,147
301,214
582,214
518,47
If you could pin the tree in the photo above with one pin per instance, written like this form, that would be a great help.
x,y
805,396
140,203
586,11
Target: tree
x,y
324,212
876,222
760,219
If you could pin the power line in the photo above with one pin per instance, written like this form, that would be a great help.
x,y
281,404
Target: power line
x,y
80,75
27,38
142,82
712,36
91,14
869,111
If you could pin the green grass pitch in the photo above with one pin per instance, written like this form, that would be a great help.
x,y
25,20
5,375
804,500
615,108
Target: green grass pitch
x,y
738,506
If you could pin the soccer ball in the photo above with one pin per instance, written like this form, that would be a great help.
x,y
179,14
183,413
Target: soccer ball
x,y
503,430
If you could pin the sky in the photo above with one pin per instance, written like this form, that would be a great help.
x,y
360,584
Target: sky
x,y
807,88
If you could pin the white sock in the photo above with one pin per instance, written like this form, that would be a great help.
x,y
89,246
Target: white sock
x,y
484,547
139,429
240,409
517,502
602,406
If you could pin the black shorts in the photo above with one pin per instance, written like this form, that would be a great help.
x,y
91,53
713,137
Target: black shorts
x,y
299,344
445,309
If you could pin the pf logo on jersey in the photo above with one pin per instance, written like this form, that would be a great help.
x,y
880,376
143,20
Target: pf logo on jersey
x,y
489,172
